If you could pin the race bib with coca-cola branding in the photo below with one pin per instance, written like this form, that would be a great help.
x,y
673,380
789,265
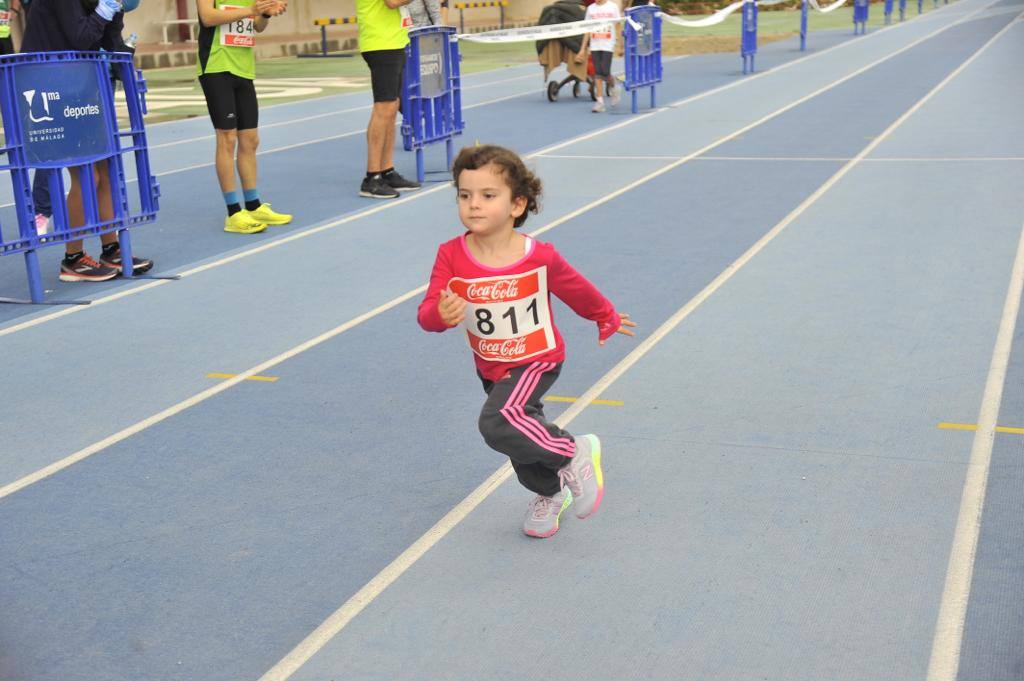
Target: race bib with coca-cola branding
x,y
238,33
406,17
507,318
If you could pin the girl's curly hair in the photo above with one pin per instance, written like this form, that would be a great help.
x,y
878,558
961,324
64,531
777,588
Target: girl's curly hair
x,y
518,177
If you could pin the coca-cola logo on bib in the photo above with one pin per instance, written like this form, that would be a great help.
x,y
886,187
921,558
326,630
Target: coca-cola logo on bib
x,y
513,347
495,289
502,289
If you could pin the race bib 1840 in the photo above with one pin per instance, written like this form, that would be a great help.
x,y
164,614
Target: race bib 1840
x,y
238,33
507,318
5,17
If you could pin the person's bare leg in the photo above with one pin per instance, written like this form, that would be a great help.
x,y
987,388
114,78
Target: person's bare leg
x,y
76,209
224,162
387,159
105,195
248,141
380,136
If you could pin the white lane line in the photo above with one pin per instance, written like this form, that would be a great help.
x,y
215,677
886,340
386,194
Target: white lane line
x,y
337,621
944,663
360,131
949,627
72,309
349,95
949,159
328,114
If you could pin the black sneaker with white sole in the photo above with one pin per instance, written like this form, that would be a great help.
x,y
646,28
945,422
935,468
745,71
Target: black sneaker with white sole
x,y
112,258
80,267
377,188
399,183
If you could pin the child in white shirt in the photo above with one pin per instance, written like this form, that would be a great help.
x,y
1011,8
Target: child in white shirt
x,y
602,44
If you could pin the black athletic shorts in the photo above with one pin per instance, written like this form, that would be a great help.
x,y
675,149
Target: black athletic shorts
x,y
231,101
602,63
386,67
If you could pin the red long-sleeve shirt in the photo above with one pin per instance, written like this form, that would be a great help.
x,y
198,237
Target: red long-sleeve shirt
x,y
508,319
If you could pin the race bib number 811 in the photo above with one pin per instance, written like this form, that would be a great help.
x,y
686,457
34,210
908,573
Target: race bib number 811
x,y
507,318
238,33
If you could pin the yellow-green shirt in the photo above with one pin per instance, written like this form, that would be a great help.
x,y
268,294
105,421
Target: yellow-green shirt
x,y
5,24
217,57
380,27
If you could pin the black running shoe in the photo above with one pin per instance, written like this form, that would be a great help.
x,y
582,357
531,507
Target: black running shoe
x,y
399,183
112,258
377,188
84,268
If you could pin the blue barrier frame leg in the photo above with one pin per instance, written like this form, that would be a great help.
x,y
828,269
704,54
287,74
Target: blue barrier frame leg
x,y
449,149
803,26
420,174
35,277
125,240
653,97
633,93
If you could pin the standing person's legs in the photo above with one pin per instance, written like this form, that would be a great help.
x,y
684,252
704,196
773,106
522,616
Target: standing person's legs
x,y
111,254
380,136
77,265
248,110
382,181
602,76
219,90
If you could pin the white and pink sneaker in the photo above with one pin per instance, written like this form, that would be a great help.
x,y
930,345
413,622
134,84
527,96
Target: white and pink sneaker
x,y
583,476
543,514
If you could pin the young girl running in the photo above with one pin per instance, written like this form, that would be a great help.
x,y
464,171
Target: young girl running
x,y
497,283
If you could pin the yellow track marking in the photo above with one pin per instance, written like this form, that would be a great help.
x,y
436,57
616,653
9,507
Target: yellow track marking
x,y
970,426
609,403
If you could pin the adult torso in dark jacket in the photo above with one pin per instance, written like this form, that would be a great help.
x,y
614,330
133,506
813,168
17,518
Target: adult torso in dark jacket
x,y
56,25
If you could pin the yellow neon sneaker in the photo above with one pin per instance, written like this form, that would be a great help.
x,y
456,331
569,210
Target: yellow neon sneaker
x,y
267,216
243,223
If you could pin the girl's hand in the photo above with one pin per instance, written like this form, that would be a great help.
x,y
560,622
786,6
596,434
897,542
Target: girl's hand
x,y
451,308
624,321
270,7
